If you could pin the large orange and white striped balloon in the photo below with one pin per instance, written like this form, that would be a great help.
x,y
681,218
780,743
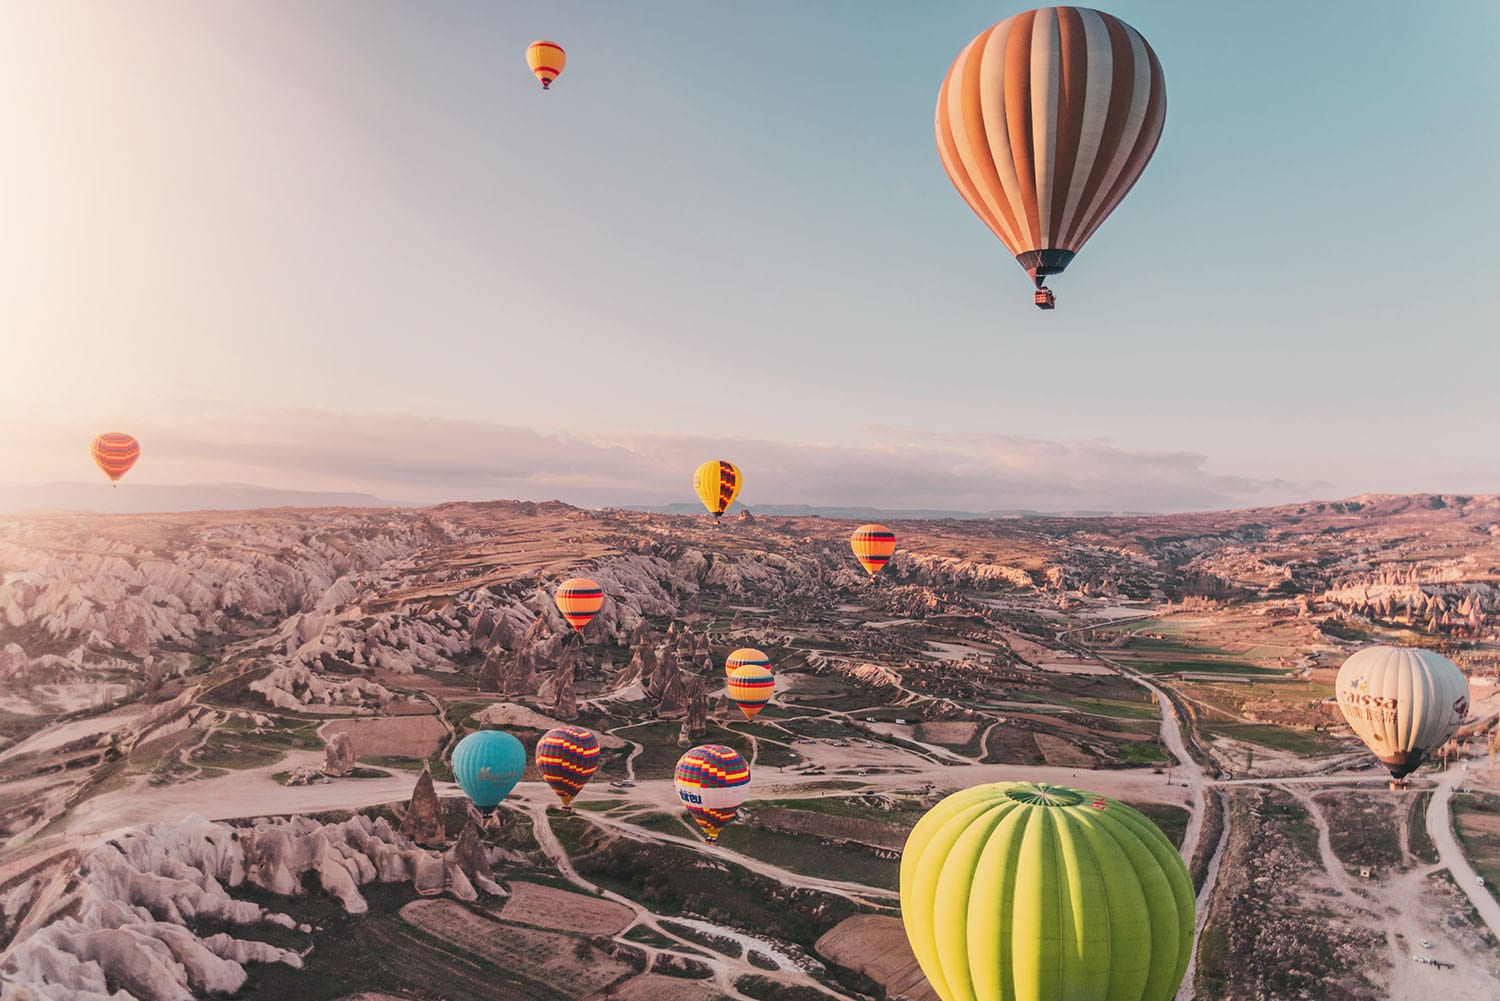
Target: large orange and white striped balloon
x,y
1044,122
115,452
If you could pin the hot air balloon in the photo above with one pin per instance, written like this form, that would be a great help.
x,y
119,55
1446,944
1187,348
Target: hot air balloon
x,y
567,757
750,688
546,60
115,453
1030,892
712,781
745,655
717,483
579,600
873,546
1044,122
487,765
1402,702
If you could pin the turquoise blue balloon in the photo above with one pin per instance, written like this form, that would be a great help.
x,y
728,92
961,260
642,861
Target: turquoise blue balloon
x,y
487,765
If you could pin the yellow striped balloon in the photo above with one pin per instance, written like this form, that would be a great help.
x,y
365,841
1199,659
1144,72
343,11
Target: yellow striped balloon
x,y
115,453
745,656
873,546
546,60
579,600
717,483
750,688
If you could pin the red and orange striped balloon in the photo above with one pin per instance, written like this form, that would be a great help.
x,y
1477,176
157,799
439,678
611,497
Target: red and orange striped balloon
x,y
579,600
743,656
873,546
1044,123
115,453
546,60
750,688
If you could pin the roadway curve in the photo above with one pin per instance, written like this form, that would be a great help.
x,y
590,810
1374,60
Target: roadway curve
x,y
1440,829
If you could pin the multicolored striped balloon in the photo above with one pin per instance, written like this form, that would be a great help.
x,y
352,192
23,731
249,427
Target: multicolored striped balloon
x,y
567,757
1044,122
712,781
579,600
546,60
750,688
743,656
115,453
717,483
873,546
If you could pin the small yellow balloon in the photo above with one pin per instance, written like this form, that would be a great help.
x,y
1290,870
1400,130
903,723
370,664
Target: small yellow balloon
x,y
717,483
546,60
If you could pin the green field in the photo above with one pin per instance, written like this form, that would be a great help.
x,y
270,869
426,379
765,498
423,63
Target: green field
x,y
1201,667
1282,738
1476,820
1172,820
806,854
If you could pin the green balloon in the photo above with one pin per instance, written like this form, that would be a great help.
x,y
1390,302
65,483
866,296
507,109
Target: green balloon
x,y
1028,892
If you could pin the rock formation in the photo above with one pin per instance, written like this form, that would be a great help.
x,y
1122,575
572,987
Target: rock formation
x,y
122,933
423,822
695,725
338,754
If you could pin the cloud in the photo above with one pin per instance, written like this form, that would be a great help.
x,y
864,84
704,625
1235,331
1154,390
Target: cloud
x,y
408,458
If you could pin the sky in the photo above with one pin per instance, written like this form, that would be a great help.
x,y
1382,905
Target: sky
x,y
353,246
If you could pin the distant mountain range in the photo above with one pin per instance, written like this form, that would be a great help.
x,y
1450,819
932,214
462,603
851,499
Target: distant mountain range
x,y
146,498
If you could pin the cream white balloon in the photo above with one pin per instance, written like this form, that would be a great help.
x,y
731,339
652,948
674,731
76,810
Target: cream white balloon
x,y
1404,703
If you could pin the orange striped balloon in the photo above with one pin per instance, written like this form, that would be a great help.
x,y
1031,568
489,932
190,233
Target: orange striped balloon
x,y
873,545
115,453
745,655
750,688
579,600
1044,122
546,60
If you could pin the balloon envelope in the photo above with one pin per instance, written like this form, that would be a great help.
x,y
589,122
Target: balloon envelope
x,y
717,483
750,688
1038,893
567,757
873,546
115,453
546,60
1044,122
487,765
745,655
712,781
579,600
1404,703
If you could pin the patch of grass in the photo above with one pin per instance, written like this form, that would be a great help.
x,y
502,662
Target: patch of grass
x,y
811,856
1113,708
1298,742
239,744
1202,667
1476,821
717,943
1172,820
597,805
1419,841
1140,752
649,936
664,823
398,761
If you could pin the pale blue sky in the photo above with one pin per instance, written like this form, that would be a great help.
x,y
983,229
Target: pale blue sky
x,y
729,221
